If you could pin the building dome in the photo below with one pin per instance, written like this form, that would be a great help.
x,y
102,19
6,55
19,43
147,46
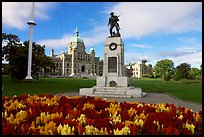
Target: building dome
x,y
77,38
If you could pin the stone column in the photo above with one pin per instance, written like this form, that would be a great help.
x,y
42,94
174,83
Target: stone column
x,y
73,59
63,66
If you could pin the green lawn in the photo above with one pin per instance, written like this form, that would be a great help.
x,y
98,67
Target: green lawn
x,y
188,92
45,85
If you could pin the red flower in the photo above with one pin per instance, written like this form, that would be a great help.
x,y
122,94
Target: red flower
x,y
170,131
118,125
186,132
133,129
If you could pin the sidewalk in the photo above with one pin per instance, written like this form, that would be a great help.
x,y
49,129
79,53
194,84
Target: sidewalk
x,y
152,98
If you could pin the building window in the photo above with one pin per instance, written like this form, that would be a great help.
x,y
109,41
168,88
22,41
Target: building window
x,y
67,64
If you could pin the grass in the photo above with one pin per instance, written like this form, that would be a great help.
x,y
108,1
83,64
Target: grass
x,y
189,91
45,85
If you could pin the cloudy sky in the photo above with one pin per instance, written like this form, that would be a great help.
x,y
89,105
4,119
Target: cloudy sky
x,y
150,30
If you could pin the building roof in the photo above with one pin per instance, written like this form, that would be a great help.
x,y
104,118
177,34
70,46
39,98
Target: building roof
x,y
139,62
77,38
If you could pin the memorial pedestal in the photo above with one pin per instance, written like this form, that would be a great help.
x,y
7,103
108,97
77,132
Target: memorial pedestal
x,y
113,83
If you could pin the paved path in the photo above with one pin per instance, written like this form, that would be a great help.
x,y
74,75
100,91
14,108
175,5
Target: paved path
x,y
152,98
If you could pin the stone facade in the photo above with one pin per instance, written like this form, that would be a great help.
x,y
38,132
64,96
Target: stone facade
x,y
138,69
76,62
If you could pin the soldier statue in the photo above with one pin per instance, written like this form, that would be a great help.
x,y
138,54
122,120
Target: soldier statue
x,y
113,22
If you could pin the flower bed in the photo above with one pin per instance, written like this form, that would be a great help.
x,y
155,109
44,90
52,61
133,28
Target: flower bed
x,y
63,115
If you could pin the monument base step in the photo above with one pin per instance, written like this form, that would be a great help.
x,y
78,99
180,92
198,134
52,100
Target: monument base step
x,y
112,92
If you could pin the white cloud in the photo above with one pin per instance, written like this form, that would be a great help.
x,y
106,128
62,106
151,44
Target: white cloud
x,y
144,18
170,54
95,36
186,49
133,57
56,43
17,14
90,38
193,58
140,46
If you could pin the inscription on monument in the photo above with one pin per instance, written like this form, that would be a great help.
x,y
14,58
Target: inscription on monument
x,y
112,65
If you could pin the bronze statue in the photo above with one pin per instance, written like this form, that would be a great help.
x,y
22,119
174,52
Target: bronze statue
x,y
113,22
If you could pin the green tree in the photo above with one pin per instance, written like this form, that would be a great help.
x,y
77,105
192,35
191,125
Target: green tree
x,y
149,71
163,67
194,73
184,68
201,69
177,75
17,55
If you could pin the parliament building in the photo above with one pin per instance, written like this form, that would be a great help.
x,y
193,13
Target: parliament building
x,y
76,62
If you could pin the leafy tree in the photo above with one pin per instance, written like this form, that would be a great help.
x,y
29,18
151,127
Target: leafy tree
x,y
177,75
17,55
201,69
194,73
184,68
163,67
149,71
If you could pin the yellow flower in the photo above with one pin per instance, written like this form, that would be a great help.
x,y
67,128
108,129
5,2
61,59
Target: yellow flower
x,y
50,132
127,123
117,132
88,130
38,121
139,122
197,118
103,131
140,105
142,116
126,130
190,127
132,111
82,119
116,118
88,105
180,117
59,128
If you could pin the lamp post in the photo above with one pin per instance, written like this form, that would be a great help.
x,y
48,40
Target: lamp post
x,y
31,23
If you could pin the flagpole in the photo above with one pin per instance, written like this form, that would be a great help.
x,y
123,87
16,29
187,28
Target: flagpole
x,y
32,24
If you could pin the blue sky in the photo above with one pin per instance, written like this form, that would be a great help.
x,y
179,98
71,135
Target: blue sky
x,y
150,30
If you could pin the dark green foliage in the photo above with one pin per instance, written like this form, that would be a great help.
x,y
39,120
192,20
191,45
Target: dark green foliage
x,y
177,75
184,68
166,77
17,55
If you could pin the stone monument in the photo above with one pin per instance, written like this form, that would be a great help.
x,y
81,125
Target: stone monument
x,y
113,83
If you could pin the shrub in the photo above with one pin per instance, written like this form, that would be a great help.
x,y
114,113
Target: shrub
x,y
177,75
